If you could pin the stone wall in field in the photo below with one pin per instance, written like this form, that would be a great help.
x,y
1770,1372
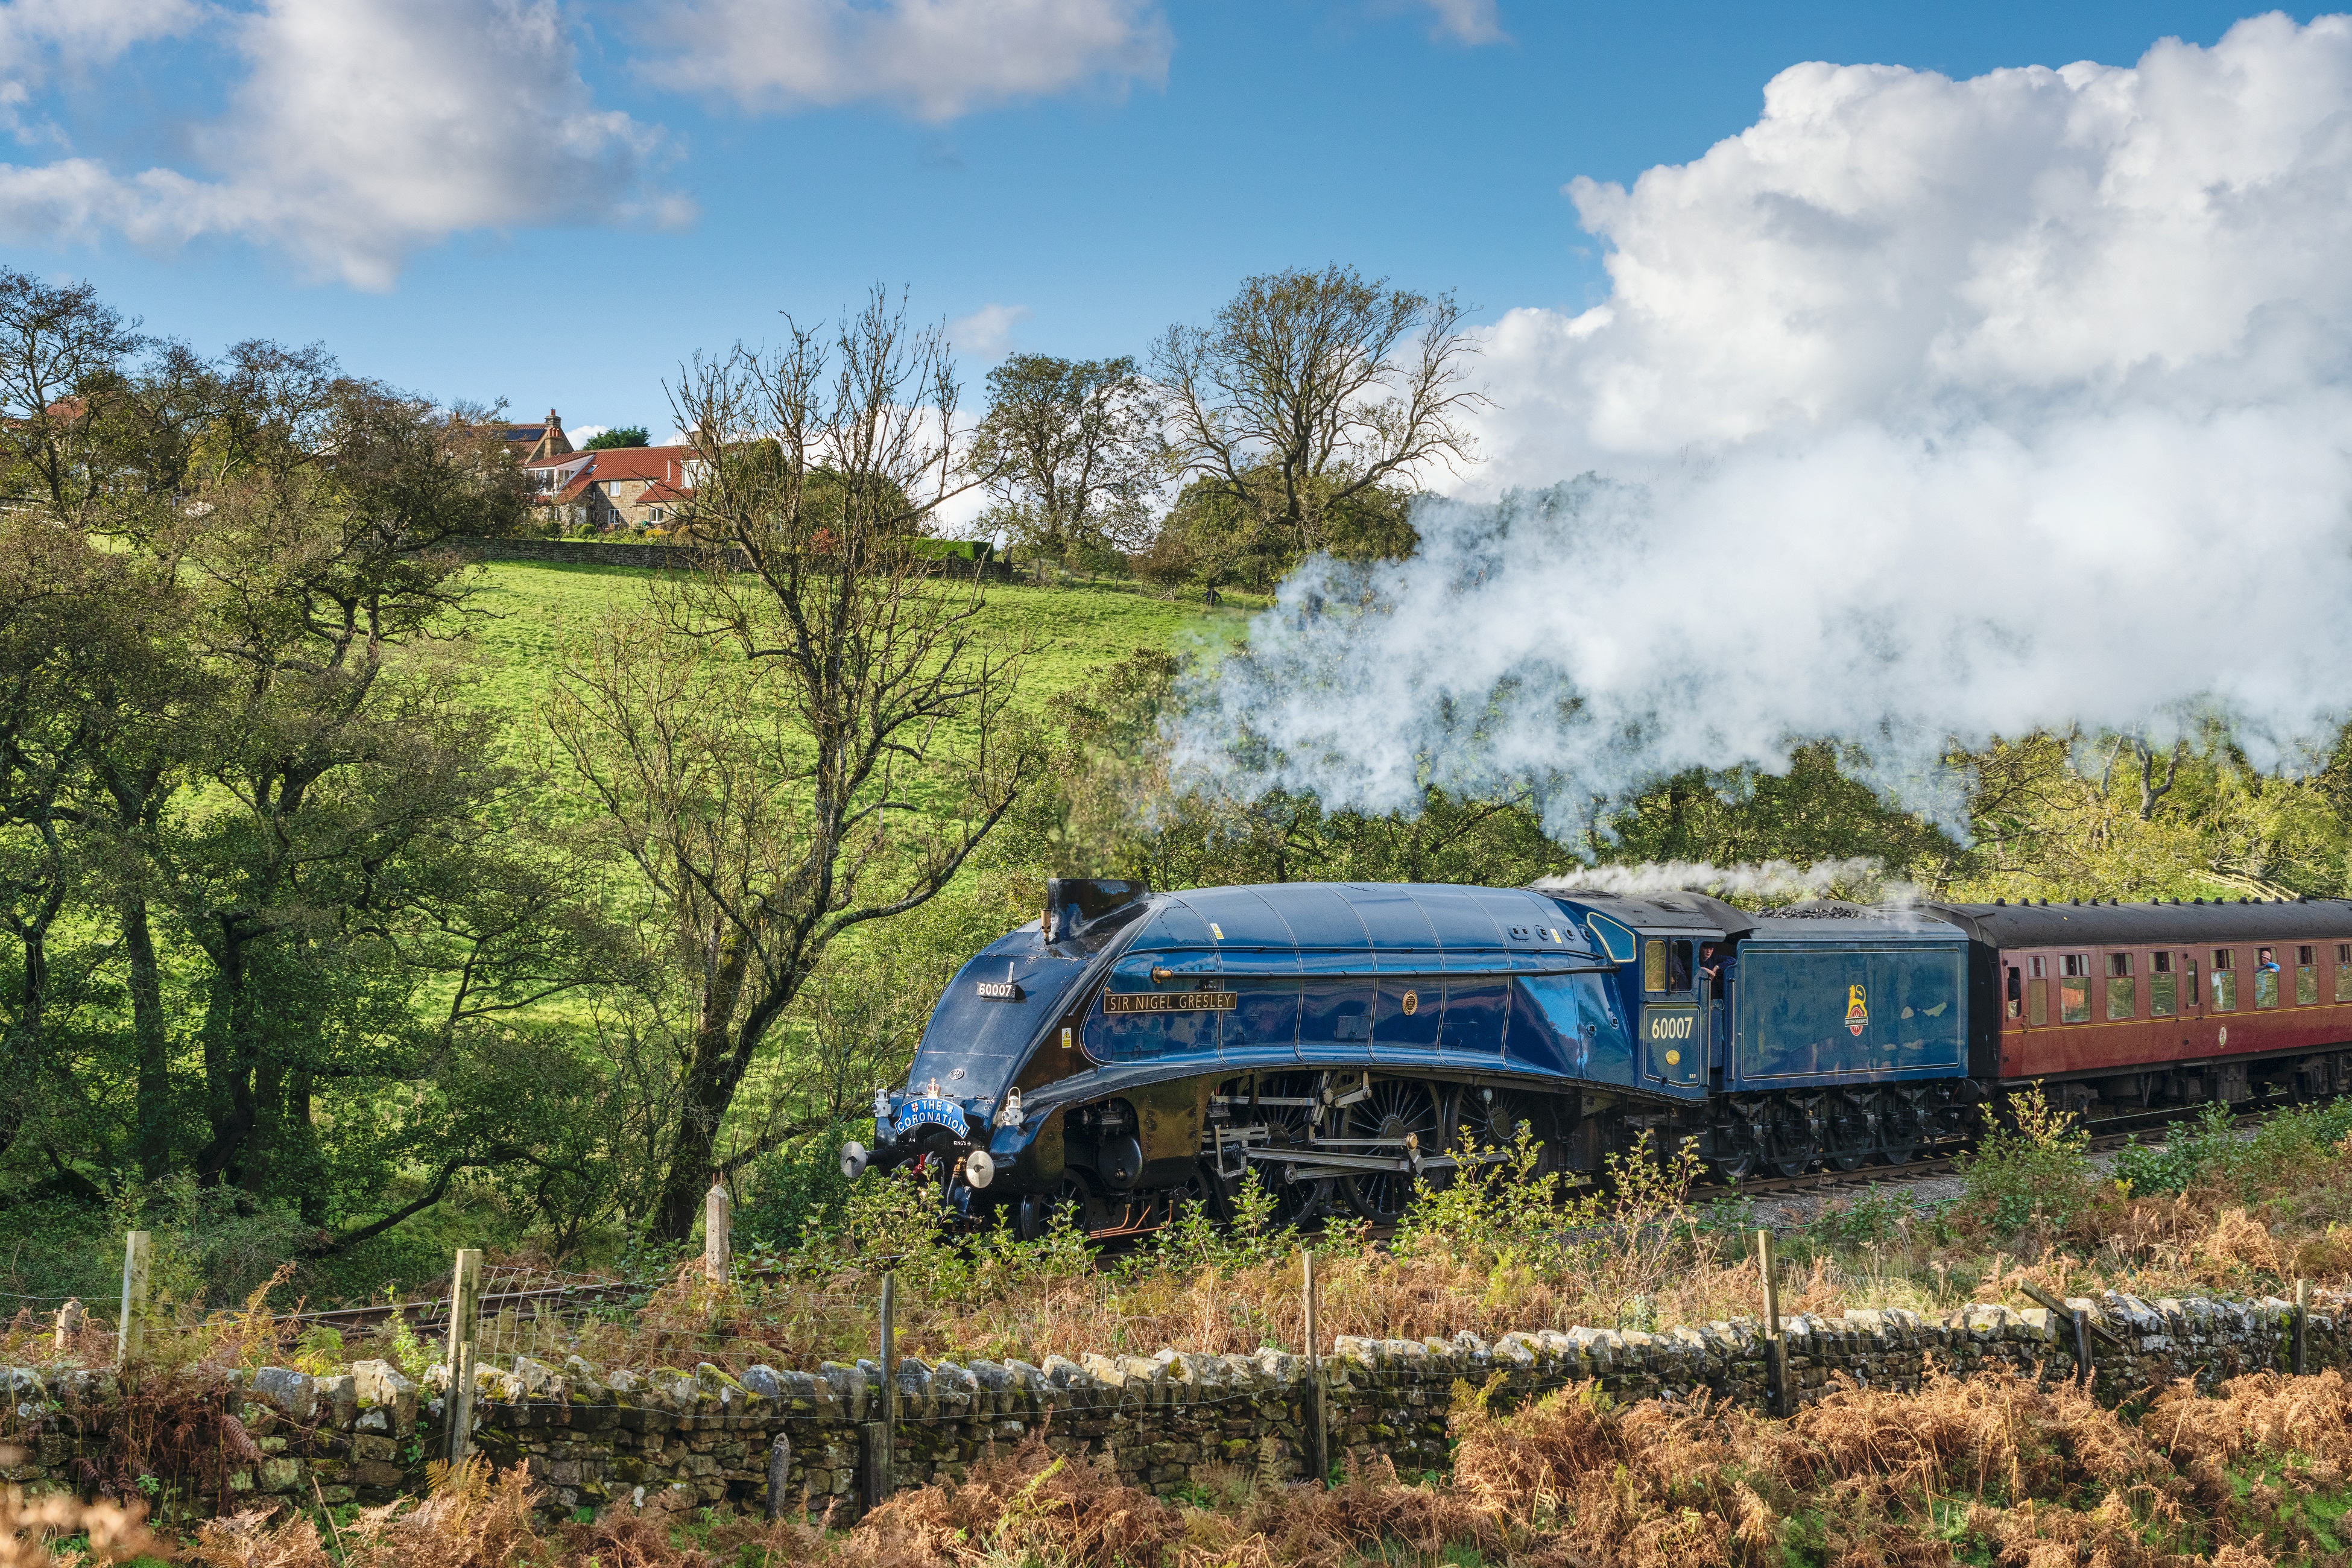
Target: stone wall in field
x,y
1168,1422
662,557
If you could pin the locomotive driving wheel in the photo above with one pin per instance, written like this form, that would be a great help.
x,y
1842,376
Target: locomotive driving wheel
x,y
1287,1125
1492,1118
1396,1109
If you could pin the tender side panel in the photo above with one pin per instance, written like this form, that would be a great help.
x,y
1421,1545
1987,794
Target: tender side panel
x,y
2077,1008
1815,1014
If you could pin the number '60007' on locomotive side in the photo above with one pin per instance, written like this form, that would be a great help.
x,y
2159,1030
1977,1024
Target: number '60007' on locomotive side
x,y
1130,1050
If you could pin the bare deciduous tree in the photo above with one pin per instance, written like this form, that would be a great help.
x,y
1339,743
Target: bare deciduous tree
x,y
793,751
1311,389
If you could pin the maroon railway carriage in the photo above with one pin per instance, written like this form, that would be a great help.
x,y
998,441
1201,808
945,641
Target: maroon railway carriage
x,y
2122,1008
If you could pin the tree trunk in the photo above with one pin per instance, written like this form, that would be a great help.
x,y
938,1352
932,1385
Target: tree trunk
x,y
151,1040
712,1071
229,1106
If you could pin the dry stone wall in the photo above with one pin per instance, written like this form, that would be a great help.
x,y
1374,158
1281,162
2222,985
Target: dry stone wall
x,y
1169,1421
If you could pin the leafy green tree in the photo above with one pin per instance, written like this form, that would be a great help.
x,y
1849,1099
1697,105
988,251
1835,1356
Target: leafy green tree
x,y
1071,449
626,436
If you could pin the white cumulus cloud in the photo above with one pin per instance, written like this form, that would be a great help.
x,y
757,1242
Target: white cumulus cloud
x,y
987,332
364,132
1919,408
1468,21
936,59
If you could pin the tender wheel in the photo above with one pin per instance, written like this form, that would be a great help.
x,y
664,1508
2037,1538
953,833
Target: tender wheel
x,y
1901,1128
1740,1142
1846,1134
1789,1149
1397,1108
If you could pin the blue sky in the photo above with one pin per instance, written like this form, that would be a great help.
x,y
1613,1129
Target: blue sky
x,y
1173,150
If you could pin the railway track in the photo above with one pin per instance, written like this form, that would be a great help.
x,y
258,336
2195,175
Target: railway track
x,y
2105,1135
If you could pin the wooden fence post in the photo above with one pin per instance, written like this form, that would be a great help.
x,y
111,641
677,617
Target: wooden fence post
x,y
1775,1348
2302,1361
465,1310
885,1461
1318,1411
714,1231
131,1328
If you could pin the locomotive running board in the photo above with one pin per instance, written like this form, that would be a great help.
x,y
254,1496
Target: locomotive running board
x,y
1317,1162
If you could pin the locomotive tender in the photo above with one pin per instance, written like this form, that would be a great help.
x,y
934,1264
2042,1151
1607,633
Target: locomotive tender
x,y
1131,1050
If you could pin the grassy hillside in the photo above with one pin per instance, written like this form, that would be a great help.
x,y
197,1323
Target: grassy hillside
x,y
528,608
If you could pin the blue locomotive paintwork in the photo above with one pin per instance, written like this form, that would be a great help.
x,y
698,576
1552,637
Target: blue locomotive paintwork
x,y
1320,973
1336,974
1795,1026
1351,1039
1787,983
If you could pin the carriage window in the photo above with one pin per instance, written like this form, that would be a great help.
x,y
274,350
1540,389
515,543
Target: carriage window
x,y
2307,976
2016,993
1654,966
2266,977
2344,971
2225,979
2074,988
2038,970
2163,986
2122,997
2195,998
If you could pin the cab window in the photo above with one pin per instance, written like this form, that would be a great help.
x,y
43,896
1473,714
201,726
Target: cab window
x,y
1678,965
1654,965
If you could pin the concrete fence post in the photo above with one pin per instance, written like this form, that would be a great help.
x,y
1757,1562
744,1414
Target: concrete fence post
x,y
465,1314
130,1327
779,1470
881,1435
715,1259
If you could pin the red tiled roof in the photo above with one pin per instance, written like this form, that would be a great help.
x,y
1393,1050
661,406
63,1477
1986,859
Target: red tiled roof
x,y
638,462
663,491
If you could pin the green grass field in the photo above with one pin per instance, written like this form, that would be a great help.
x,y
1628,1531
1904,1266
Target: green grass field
x,y
528,608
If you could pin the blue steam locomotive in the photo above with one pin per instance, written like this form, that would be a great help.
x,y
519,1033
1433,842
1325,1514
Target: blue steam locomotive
x,y
1129,1050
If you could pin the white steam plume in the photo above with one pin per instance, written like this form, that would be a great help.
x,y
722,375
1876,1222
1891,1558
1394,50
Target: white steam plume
x,y
1768,882
1925,409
